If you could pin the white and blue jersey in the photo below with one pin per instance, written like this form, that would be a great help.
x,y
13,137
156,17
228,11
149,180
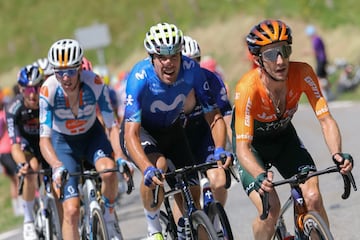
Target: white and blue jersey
x,y
81,137
159,105
55,111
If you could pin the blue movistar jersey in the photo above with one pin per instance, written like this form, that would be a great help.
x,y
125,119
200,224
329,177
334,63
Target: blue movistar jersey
x,y
158,105
218,94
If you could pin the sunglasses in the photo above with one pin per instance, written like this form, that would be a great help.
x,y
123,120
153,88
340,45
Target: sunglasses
x,y
272,53
29,90
69,72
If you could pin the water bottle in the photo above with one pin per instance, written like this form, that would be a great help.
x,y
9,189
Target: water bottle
x,y
181,229
207,194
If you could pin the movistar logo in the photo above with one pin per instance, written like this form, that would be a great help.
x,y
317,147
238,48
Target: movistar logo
x,y
140,75
161,106
188,64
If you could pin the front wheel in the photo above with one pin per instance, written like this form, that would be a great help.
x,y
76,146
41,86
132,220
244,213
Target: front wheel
x,y
168,231
202,226
98,230
54,220
220,221
314,227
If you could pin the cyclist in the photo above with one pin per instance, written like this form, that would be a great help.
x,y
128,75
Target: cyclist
x,y
266,99
197,129
22,117
70,131
6,160
155,94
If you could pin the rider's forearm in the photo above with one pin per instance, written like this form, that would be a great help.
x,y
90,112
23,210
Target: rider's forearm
x,y
115,142
332,134
17,154
218,129
48,152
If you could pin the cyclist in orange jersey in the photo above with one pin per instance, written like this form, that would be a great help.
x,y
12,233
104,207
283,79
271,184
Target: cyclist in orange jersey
x,y
266,99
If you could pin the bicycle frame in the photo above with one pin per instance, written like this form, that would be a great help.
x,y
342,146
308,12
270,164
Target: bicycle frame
x,y
299,205
47,222
91,196
91,201
182,186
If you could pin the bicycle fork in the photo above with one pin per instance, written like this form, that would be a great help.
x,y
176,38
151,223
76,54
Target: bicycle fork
x,y
90,202
299,211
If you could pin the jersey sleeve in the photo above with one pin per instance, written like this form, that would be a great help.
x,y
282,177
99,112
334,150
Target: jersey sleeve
x,y
244,102
219,93
12,110
135,86
312,90
46,109
202,90
105,106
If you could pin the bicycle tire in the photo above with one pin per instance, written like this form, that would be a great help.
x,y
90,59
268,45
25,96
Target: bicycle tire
x,y
81,225
53,220
314,225
168,231
47,230
216,211
99,230
199,221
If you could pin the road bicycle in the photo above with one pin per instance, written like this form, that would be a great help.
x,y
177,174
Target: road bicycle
x,y
47,221
213,208
307,224
196,221
92,224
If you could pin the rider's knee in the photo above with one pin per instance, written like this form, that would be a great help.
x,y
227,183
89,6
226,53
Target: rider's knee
x,y
71,213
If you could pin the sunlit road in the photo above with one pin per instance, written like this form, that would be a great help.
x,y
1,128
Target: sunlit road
x,y
343,214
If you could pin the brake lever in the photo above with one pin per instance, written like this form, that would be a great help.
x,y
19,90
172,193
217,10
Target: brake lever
x,y
130,181
265,205
156,192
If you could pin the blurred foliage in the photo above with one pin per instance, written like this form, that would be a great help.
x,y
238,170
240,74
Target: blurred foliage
x,y
29,27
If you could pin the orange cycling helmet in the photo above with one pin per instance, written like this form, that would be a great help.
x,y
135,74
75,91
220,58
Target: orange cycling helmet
x,y
267,32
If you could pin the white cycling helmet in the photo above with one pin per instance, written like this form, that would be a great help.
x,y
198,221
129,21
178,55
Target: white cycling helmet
x,y
65,53
191,48
44,64
164,39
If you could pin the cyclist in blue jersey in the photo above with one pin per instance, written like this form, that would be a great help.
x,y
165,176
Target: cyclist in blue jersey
x,y
71,132
197,129
22,117
156,91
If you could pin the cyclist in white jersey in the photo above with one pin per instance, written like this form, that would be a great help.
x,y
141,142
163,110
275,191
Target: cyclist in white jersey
x,y
70,131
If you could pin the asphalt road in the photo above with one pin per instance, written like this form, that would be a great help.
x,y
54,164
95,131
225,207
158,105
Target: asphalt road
x,y
344,215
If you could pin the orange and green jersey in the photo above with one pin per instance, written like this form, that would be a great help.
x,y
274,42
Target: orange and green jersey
x,y
255,114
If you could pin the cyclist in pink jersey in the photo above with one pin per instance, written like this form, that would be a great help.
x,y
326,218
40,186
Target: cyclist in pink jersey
x,y
6,160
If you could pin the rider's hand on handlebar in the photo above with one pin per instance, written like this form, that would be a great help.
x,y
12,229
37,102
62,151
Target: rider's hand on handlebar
x,y
220,155
150,176
120,162
344,161
23,168
263,182
56,175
